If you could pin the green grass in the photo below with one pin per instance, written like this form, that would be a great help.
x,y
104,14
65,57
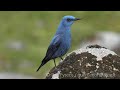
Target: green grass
x,y
35,30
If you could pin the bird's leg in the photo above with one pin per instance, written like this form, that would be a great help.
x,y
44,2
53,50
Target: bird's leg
x,y
54,62
66,55
61,58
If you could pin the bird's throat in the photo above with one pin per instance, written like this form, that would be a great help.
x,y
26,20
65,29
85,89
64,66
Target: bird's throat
x,y
63,29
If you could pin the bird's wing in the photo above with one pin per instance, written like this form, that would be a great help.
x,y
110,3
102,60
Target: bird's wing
x,y
54,45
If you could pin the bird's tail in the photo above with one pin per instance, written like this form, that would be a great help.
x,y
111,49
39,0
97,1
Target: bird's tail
x,y
40,67
44,61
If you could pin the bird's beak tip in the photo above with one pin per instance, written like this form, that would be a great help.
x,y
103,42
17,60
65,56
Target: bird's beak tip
x,y
76,19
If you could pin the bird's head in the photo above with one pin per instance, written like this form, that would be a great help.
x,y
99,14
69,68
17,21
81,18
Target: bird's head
x,y
69,20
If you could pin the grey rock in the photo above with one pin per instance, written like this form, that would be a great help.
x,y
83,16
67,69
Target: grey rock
x,y
10,75
15,45
91,62
111,40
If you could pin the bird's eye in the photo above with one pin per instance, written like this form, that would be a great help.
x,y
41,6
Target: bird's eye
x,y
68,19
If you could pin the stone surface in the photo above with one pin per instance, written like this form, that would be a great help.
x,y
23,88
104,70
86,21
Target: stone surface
x,y
91,62
110,40
10,75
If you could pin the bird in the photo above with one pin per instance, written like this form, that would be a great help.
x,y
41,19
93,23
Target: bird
x,y
61,42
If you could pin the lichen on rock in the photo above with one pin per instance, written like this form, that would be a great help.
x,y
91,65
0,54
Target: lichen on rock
x,y
92,62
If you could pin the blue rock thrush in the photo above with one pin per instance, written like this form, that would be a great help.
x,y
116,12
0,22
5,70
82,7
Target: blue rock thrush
x,y
61,41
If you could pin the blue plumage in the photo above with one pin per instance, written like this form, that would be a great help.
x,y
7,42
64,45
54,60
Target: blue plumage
x,y
61,42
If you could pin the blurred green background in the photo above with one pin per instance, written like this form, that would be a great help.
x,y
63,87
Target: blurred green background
x,y
25,36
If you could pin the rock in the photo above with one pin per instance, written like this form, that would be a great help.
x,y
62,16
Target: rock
x,y
111,40
10,75
91,62
15,45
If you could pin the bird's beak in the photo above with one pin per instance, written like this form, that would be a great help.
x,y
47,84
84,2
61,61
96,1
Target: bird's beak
x,y
77,19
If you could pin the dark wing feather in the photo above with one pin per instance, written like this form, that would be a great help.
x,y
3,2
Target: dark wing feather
x,y
54,46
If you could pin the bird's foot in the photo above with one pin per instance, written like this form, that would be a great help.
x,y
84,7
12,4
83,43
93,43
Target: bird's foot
x,y
61,58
